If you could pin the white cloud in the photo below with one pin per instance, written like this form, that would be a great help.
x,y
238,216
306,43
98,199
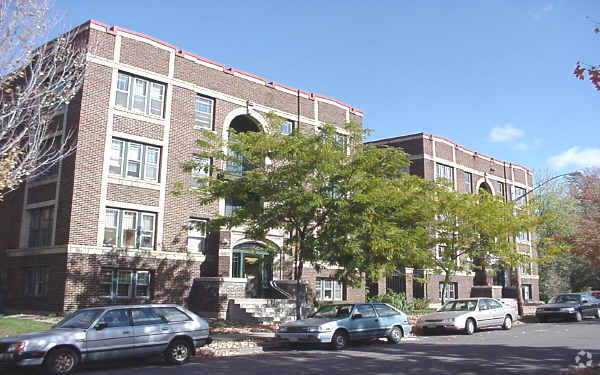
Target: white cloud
x,y
505,133
576,157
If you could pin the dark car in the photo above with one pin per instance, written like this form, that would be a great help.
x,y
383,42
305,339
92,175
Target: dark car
x,y
574,306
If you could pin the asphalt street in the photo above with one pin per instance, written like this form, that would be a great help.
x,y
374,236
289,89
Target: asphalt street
x,y
532,348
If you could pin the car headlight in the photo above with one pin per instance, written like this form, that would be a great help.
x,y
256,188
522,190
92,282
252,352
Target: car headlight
x,y
312,329
325,329
16,347
567,309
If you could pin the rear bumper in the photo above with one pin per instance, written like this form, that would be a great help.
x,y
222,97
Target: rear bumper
x,y
555,314
198,343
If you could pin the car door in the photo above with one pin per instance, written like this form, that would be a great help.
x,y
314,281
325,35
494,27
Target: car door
x,y
588,305
151,331
111,337
484,316
364,322
496,312
387,318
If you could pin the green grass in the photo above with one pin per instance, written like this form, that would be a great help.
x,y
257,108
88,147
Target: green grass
x,y
11,327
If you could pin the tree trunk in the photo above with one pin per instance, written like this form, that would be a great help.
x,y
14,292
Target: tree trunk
x,y
519,292
298,297
445,286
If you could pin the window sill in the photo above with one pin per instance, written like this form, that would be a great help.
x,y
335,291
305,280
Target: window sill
x,y
138,115
134,182
201,128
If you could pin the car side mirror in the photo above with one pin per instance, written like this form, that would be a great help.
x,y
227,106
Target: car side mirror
x,y
100,326
357,316
585,301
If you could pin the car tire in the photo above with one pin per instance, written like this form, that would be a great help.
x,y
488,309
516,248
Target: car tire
x,y
507,324
395,336
61,361
578,316
470,327
178,352
339,340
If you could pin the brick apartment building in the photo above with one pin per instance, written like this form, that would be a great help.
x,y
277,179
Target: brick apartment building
x,y
103,227
432,157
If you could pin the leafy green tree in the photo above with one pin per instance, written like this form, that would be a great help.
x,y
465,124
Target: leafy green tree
x,y
325,191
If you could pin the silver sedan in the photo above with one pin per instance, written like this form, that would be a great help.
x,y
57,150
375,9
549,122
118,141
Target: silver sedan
x,y
468,315
107,333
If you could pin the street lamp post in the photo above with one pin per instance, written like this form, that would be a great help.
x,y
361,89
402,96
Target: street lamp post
x,y
518,269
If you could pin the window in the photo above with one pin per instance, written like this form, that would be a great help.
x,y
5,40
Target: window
x,y
341,140
197,236
50,148
172,314
468,182
444,171
523,237
204,112
366,311
145,316
36,282
526,292
134,160
40,226
329,290
140,95
501,189
451,290
115,318
520,193
525,268
200,171
384,310
118,283
127,228
232,205
287,127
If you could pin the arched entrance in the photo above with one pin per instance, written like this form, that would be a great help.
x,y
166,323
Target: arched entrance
x,y
252,261
484,187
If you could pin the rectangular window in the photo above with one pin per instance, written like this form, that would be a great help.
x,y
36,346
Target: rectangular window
x,y
40,226
468,182
36,281
286,127
232,205
523,237
525,268
451,290
204,112
329,290
444,171
126,228
134,160
50,148
500,189
140,95
341,141
197,236
526,291
200,172
124,284
520,193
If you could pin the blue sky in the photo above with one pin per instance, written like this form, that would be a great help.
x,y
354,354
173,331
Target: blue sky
x,y
494,76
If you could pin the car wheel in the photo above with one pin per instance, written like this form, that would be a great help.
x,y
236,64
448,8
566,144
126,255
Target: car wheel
x,y
507,323
339,340
470,327
578,316
395,335
61,361
178,352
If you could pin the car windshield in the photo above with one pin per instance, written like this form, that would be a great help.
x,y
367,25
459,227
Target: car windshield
x,y
333,311
80,319
566,298
459,306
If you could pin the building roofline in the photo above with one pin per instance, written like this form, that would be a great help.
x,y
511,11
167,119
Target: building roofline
x,y
179,52
433,136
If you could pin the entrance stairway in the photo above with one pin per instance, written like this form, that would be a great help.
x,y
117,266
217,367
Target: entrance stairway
x,y
261,311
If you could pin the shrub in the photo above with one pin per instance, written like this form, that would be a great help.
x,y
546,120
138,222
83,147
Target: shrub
x,y
398,300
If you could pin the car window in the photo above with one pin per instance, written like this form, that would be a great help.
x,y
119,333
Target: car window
x,y
459,305
483,305
385,310
493,304
115,318
566,298
145,316
333,311
172,314
366,311
80,319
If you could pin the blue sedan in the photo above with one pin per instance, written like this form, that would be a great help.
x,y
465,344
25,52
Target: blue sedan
x,y
338,324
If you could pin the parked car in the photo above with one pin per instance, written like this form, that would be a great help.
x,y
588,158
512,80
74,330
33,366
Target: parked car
x,y
108,333
338,324
468,315
595,294
572,306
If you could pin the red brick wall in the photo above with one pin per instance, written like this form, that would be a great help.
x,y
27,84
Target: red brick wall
x,y
101,44
443,151
132,194
144,56
138,127
331,114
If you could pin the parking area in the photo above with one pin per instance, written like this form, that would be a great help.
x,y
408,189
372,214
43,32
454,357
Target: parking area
x,y
530,348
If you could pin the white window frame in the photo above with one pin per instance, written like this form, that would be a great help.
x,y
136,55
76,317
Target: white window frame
x,y
142,233
153,91
197,230
148,164
337,290
285,124
450,290
106,225
121,144
135,228
206,118
439,167
520,192
469,185
203,169
132,285
131,145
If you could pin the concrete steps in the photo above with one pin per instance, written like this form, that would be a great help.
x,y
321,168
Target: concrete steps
x,y
261,311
